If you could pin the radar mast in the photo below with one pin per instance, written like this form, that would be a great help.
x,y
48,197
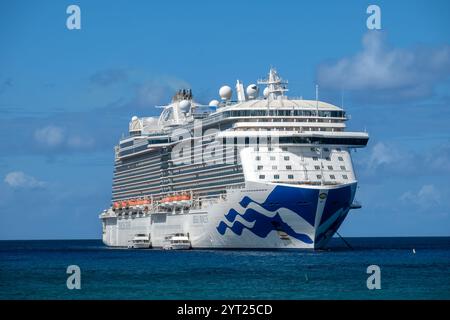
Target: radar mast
x,y
276,86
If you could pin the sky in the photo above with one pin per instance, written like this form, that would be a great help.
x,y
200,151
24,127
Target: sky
x,y
66,97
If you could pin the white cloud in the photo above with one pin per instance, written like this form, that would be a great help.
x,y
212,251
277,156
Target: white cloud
x,y
382,154
392,159
427,196
18,179
78,142
49,136
385,72
109,77
55,137
158,90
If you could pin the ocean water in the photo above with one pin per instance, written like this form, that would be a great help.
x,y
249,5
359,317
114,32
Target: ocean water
x,y
37,270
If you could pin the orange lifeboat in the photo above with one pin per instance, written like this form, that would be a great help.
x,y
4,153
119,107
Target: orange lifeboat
x,y
124,204
164,201
185,197
171,201
185,200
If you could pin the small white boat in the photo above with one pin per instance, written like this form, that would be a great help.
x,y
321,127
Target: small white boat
x,y
177,241
140,241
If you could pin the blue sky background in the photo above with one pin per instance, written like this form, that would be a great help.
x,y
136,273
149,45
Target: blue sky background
x,y
66,97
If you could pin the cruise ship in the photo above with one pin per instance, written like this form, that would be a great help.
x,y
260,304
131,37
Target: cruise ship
x,y
254,169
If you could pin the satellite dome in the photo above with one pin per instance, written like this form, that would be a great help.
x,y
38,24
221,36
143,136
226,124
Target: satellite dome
x,y
252,91
225,92
134,118
184,106
266,92
214,103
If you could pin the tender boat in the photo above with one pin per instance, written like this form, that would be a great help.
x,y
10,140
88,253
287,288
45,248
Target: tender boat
x,y
177,241
140,241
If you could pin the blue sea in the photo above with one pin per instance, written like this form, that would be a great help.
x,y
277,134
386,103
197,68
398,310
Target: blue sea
x,y
37,270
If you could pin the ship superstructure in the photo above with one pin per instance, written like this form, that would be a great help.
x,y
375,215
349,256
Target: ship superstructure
x,y
260,171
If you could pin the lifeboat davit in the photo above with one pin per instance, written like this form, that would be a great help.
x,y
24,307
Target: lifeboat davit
x,y
164,201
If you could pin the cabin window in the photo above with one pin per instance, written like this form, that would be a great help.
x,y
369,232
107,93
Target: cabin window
x,y
317,167
258,158
288,167
261,176
344,176
286,158
290,176
330,167
315,158
332,177
276,176
260,167
340,159
343,168
274,167
272,158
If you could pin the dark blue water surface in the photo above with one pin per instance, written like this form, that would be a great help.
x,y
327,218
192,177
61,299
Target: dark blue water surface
x,y
37,270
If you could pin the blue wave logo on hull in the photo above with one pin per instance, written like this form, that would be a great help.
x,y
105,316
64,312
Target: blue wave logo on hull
x,y
302,202
262,226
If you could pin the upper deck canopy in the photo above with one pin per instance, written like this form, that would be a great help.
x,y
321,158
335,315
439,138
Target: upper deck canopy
x,y
265,104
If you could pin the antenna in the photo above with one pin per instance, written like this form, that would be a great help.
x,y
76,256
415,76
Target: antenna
x,y
240,91
317,99
276,86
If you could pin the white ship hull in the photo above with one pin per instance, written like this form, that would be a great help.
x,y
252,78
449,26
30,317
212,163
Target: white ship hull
x,y
259,216
259,172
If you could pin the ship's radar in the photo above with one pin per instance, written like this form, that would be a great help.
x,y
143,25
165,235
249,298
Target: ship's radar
x,y
184,106
275,85
214,103
252,91
135,126
225,93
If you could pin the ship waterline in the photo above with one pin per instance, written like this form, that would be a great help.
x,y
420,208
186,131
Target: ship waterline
x,y
258,172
